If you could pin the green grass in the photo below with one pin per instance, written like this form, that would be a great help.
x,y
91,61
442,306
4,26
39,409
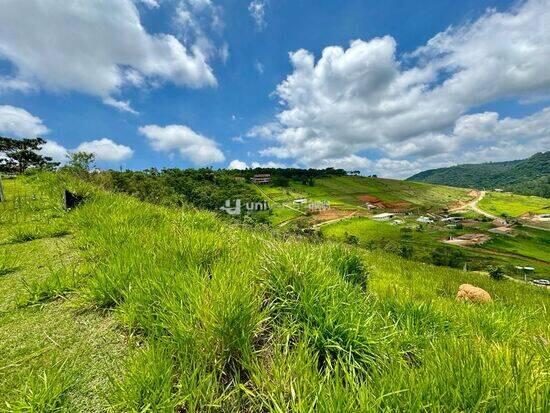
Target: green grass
x,y
514,205
348,190
54,355
231,319
529,242
530,245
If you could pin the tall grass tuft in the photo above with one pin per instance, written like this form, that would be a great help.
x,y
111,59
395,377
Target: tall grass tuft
x,y
146,384
45,391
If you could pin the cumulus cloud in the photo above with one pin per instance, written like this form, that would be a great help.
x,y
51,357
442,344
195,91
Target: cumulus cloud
x,y
193,146
269,164
257,9
95,47
106,150
55,151
19,123
240,165
414,107
236,164
199,23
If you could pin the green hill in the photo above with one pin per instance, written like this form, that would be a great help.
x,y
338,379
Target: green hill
x,y
528,176
122,305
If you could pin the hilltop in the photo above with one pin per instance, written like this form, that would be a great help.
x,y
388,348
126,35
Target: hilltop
x,y
528,176
123,305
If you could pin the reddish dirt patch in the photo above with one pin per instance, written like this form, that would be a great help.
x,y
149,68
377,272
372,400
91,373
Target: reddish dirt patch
x,y
460,204
396,206
370,198
332,214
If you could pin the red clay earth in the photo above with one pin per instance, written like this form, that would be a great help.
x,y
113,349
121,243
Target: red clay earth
x,y
396,206
330,214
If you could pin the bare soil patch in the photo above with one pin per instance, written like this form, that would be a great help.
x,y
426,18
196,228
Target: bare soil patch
x,y
468,240
396,206
332,214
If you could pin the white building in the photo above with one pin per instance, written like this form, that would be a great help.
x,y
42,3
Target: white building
x,y
386,216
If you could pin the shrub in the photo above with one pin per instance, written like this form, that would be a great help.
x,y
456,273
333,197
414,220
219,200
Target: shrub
x,y
406,251
351,239
495,272
447,256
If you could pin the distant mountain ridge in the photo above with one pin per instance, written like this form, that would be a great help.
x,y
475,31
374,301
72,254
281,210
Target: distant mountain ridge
x,y
529,176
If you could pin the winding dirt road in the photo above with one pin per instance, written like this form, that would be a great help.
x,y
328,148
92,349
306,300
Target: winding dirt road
x,y
474,207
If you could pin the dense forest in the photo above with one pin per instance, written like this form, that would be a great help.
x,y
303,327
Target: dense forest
x,y
527,177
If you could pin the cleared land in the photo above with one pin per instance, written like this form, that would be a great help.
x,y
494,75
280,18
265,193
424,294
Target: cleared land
x,y
514,205
401,195
351,193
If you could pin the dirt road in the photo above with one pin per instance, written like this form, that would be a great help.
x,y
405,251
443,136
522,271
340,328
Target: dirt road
x,y
473,205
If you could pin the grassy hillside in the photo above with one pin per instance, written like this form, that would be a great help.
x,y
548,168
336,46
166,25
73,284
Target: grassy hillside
x,y
529,176
527,246
354,191
514,205
199,315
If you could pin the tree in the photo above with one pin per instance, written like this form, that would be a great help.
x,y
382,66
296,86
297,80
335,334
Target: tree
x,y
22,154
81,161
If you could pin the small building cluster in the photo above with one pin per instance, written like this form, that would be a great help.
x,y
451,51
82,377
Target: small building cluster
x,y
261,179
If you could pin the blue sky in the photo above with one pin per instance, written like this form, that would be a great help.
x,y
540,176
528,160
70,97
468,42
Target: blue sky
x,y
188,83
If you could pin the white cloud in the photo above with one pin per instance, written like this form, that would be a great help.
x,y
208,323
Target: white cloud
x,y
152,4
199,23
55,151
95,47
106,150
122,105
236,164
19,123
257,9
224,53
13,84
259,67
366,98
191,145
240,165
269,164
